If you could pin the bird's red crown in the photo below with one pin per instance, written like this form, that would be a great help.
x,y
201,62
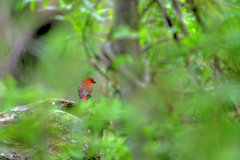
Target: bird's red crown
x,y
89,80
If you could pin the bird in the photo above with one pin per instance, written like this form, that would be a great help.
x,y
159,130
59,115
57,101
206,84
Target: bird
x,y
85,89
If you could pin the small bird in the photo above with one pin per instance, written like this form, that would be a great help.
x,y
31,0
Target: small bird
x,y
85,89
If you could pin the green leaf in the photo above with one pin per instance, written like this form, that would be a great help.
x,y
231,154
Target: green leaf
x,y
46,3
20,4
33,5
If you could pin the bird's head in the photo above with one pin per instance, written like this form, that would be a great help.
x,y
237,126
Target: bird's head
x,y
89,80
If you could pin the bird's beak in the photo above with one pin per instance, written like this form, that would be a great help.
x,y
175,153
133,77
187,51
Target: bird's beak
x,y
94,82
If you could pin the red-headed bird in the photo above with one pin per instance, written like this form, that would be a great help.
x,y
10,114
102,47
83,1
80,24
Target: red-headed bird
x,y
85,89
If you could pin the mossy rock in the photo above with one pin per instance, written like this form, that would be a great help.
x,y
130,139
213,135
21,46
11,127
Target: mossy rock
x,y
39,131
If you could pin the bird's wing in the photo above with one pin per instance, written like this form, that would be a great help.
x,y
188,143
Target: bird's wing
x,y
89,91
85,90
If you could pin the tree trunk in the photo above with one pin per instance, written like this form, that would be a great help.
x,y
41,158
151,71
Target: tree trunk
x,y
126,14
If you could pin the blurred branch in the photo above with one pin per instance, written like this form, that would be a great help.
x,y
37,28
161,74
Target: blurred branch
x,y
189,91
131,77
217,68
148,46
227,4
168,20
195,10
93,62
147,7
177,9
103,61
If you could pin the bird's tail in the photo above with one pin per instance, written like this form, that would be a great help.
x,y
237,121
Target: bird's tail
x,y
84,97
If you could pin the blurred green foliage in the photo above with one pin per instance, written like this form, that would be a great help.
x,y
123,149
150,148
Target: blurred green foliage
x,y
189,110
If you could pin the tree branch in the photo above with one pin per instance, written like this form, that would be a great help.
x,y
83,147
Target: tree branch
x,y
168,19
177,9
196,13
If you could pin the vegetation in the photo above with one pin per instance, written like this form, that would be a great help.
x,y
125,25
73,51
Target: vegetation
x,y
167,76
